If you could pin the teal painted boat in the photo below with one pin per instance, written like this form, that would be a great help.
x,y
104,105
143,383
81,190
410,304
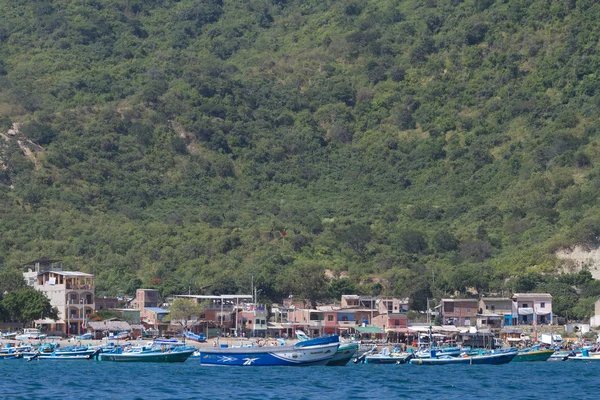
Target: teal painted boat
x,y
534,353
344,354
156,353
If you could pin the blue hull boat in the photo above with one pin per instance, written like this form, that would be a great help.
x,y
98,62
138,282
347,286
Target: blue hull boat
x,y
312,352
196,338
493,359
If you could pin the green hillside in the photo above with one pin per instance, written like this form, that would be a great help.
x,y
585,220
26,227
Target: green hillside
x,y
420,148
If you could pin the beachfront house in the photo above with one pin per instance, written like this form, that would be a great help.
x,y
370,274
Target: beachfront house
x,y
532,308
71,292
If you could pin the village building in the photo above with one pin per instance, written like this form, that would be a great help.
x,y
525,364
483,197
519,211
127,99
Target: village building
x,y
495,312
104,329
459,312
222,315
106,303
71,292
532,308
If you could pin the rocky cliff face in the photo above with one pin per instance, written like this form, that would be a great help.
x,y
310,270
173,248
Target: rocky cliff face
x,y
578,258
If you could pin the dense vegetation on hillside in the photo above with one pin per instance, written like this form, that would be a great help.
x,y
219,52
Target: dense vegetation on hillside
x,y
421,148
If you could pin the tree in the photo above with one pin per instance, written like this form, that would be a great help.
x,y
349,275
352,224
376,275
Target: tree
x,y
27,304
342,286
184,310
10,279
357,236
306,281
413,241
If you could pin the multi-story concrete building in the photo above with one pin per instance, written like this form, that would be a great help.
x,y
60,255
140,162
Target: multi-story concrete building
x,y
145,298
495,312
532,308
71,292
459,312
392,305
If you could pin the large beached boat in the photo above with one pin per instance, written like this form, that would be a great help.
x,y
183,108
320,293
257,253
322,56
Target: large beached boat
x,y
317,351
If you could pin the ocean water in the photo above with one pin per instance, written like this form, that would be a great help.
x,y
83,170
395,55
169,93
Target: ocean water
x,y
47,379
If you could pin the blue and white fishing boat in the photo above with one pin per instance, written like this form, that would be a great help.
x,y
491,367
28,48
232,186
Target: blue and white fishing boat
x,y
66,353
311,352
11,349
585,355
9,335
439,351
388,357
196,338
11,356
31,334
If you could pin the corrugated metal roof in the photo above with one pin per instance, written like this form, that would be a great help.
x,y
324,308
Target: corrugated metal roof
x,y
368,329
68,273
157,310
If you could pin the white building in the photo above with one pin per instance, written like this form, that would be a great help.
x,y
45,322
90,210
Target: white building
x,y
71,292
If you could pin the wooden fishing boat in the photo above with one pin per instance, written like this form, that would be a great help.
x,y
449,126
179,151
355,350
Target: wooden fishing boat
x,y
493,359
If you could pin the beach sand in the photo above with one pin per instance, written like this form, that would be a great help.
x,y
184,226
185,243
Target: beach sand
x,y
209,343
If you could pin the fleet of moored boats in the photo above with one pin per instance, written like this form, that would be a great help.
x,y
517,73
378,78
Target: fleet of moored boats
x,y
317,351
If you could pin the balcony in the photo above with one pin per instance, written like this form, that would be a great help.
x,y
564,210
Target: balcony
x,y
79,287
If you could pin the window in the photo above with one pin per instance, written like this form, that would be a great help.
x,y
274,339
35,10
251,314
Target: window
x,y
542,305
468,310
344,318
396,322
487,307
202,316
257,322
493,308
330,318
524,305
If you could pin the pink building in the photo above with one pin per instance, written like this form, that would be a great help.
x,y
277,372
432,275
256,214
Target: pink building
x,y
392,322
532,308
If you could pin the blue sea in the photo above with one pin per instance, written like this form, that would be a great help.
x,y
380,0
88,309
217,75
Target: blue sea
x,y
46,379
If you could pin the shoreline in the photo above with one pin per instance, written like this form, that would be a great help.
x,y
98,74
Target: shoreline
x,y
97,342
